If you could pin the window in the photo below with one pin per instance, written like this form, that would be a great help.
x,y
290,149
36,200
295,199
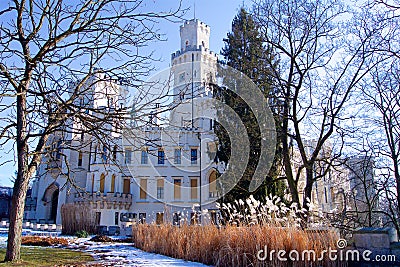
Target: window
x,y
92,182
116,217
182,77
144,159
80,159
102,182
112,184
104,154
159,218
178,156
212,186
160,188
97,218
95,154
193,188
115,153
214,218
177,188
128,156
143,189
82,136
58,155
127,186
161,156
142,217
176,219
193,155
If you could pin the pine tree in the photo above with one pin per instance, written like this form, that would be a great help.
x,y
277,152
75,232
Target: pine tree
x,y
245,51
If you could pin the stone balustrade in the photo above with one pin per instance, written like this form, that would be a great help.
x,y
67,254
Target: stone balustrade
x,y
104,200
33,226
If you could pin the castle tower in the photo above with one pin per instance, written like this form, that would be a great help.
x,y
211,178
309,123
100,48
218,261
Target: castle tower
x,y
194,62
194,68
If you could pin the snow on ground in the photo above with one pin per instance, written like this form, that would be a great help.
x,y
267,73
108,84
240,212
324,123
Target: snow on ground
x,y
123,254
118,254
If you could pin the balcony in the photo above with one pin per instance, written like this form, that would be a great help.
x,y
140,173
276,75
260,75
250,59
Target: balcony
x,y
104,200
213,194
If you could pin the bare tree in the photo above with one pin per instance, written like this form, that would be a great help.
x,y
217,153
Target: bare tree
x,y
357,192
320,64
50,51
382,98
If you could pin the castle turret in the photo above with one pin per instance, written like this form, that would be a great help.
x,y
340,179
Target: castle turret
x,y
194,34
194,62
194,69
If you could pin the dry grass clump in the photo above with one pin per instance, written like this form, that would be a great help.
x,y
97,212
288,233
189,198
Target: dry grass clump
x,y
251,226
231,245
77,218
44,241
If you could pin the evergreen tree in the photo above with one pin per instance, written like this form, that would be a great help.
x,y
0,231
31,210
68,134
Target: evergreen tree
x,y
244,50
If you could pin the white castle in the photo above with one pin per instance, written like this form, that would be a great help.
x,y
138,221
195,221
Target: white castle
x,y
153,178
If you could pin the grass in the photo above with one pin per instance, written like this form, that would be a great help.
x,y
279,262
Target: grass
x,y
34,256
231,245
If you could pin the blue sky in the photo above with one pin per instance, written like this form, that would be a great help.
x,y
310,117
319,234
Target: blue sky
x,y
218,14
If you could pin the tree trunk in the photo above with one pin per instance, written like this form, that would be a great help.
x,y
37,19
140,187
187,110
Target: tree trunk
x,y
308,188
16,217
13,252
397,177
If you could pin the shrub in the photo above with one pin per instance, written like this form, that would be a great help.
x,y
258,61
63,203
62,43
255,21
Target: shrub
x,y
101,238
44,241
82,234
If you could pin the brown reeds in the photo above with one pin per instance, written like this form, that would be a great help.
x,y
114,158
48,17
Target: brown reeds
x,y
235,246
77,218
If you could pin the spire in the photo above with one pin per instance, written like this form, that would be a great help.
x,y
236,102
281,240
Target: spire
x,y
194,9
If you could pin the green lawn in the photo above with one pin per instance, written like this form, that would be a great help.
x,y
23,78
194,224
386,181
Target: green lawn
x,y
35,256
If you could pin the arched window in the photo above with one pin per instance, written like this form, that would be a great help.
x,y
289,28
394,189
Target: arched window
x,y
212,184
187,43
102,182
